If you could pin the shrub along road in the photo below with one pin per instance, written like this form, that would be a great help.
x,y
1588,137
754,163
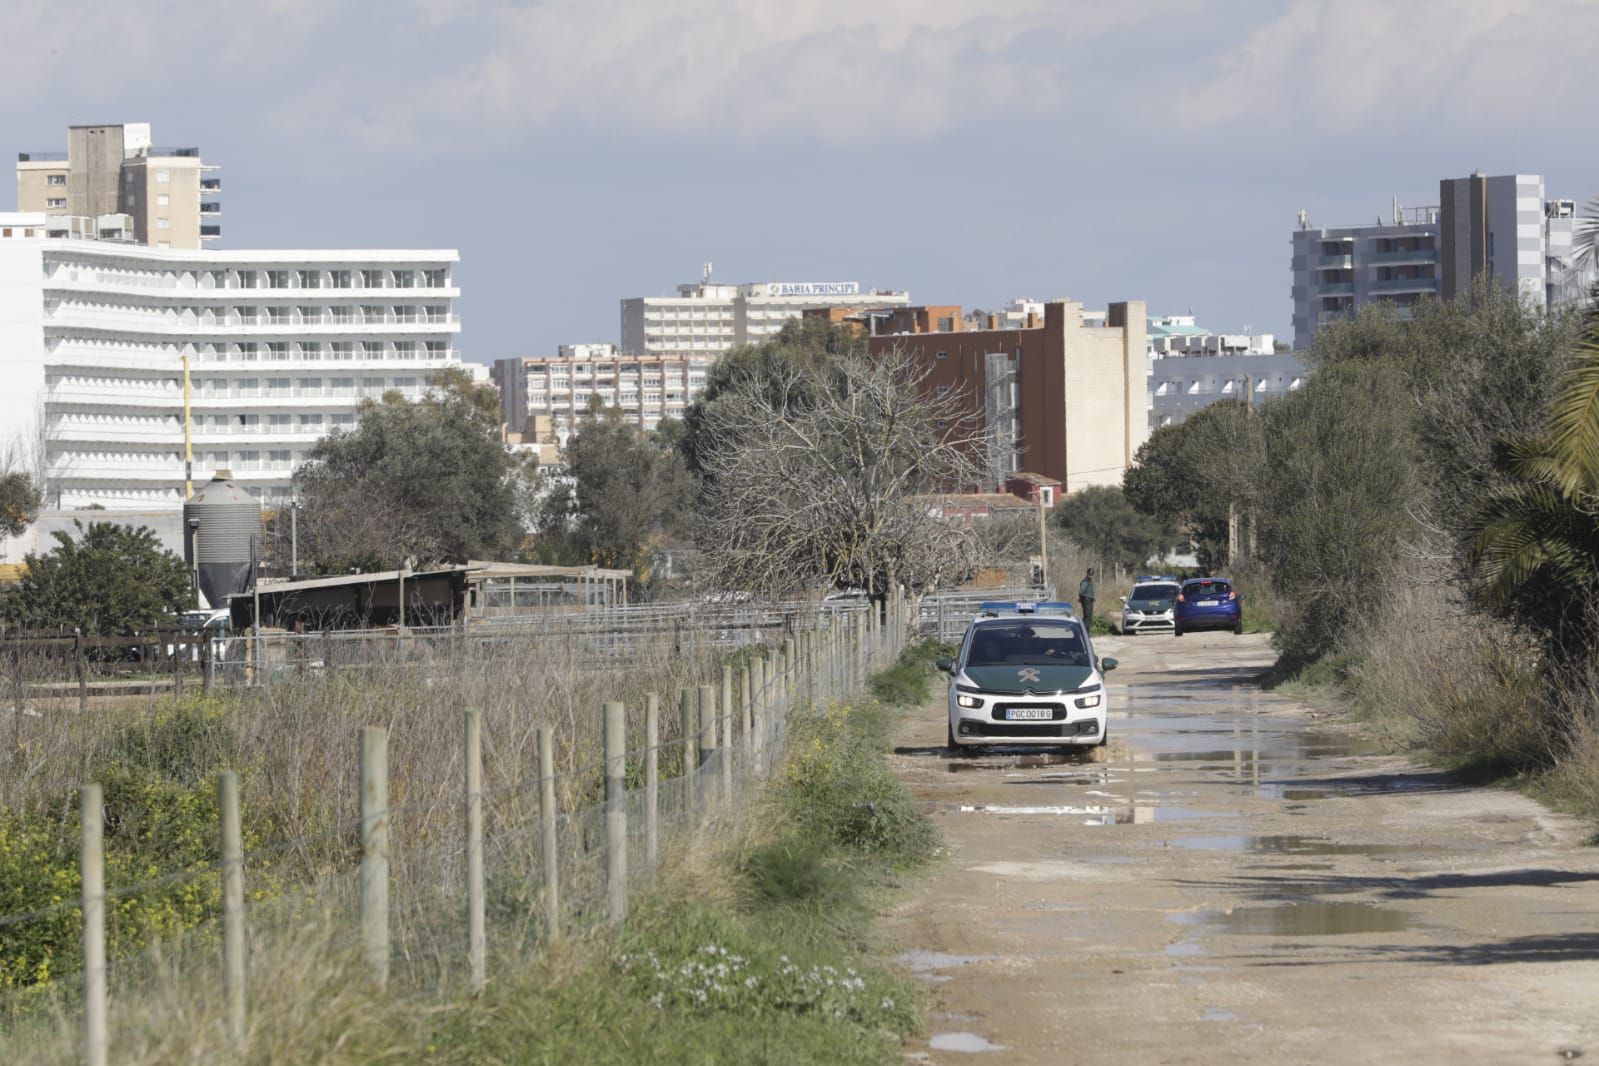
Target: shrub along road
x,y
1243,880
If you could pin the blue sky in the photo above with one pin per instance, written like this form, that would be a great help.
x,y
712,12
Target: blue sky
x,y
580,151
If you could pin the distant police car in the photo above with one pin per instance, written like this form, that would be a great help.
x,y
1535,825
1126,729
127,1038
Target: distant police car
x,y
1026,674
1149,607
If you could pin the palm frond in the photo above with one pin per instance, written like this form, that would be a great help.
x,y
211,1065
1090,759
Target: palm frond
x,y
1573,434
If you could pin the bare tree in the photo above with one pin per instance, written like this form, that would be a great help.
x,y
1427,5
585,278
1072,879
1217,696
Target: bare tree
x,y
813,473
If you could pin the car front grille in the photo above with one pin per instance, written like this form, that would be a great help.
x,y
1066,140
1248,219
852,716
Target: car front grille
x,y
1030,730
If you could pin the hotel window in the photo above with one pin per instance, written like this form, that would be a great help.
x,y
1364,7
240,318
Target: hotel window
x,y
311,423
162,200
341,421
278,387
163,176
54,202
371,279
437,349
56,179
435,279
405,349
343,314
342,349
163,223
404,279
338,279
404,313
372,312
277,279
310,387
277,351
246,279
372,386
342,387
310,350
278,316
246,387
280,423
311,315
280,458
310,279
245,352
372,349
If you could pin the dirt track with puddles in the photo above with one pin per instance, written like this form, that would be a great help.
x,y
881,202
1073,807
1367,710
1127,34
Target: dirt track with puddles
x,y
1239,879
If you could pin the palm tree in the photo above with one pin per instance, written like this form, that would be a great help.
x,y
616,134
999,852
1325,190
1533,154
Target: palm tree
x,y
1536,548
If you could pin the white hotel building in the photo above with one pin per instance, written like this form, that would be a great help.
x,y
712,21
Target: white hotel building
x,y
708,319
544,398
281,348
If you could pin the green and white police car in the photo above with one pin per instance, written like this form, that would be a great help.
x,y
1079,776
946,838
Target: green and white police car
x,y
1027,674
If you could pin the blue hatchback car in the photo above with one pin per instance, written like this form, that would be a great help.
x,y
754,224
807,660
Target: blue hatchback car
x,y
1208,603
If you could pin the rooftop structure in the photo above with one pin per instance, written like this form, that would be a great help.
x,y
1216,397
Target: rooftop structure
x,y
113,183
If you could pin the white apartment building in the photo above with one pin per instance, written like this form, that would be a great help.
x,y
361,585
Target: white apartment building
x,y
1180,385
707,319
543,398
279,349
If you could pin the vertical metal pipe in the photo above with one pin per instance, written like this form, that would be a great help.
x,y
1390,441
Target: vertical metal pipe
x,y
547,826
616,811
476,918
375,850
232,907
725,733
652,780
91,867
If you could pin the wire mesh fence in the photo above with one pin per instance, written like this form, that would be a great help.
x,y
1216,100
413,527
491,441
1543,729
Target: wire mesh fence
x,y
553,855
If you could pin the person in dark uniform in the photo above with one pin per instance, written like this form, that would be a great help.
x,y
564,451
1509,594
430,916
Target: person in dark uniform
x,y
1085,594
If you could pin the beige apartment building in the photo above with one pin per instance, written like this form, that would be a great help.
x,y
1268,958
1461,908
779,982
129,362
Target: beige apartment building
x,y
113,183
543,398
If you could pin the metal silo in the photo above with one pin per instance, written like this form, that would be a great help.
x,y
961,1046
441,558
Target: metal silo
x,y
222,523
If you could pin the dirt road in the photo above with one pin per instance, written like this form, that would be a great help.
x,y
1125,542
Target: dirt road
x,y
1241,881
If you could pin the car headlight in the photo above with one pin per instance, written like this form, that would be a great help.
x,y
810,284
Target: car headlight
x,y
1086,702
968,701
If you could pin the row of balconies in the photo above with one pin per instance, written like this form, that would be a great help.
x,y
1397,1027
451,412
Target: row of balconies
x,y
206,283
95,357
293,319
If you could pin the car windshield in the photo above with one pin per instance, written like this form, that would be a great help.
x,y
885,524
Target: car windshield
x,y
1028,644
1207,590
1153,593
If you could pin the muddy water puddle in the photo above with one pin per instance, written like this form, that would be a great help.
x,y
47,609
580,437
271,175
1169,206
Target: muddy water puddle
x,y
1302,918
1287,844
967,1042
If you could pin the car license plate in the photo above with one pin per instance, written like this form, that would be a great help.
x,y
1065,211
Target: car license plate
x,y
1029,714
1208,603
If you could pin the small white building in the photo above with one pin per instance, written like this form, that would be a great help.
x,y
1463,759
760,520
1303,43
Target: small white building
x,y
105,347
543,398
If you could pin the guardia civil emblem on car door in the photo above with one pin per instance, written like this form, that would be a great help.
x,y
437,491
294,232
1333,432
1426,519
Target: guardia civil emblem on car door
x,y
1027,675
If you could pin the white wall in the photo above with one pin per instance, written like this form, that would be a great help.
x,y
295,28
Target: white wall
x,y
21,343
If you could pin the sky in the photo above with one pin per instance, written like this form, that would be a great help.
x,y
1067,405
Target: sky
x,y
577,152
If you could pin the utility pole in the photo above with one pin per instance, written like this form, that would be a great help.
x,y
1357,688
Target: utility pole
x,y
1043,536
294,538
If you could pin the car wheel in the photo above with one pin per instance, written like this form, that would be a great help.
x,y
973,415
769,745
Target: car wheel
x,y
1238,629
949,733
1104,737
1177,631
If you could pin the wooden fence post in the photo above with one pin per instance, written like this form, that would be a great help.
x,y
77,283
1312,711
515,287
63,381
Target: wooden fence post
x,y
476,918
81,667
232,853
689,727
616,811
744,708
652,780
707,737
375,850
725,733
547,826
758,715
91,866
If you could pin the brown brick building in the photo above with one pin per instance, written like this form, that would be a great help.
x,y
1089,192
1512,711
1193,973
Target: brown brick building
x,y
1062,399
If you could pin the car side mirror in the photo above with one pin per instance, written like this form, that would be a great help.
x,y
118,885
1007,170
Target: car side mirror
x,y
1107,665
1123,599
945,665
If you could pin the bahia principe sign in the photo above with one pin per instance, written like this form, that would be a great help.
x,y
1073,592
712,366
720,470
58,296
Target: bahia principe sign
x,y
813,288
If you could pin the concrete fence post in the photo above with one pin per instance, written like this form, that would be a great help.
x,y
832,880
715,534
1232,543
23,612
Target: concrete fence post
x,y
232,854
689,727
652,780
81,667
547,832
724,734
476,918
375,850
707,739
91,870
616,811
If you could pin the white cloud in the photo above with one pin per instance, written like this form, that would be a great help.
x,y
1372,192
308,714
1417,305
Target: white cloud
x,y
1384,67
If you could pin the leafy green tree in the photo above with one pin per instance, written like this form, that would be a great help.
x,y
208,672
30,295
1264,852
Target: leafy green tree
x,y
112,580
430,481
1536,549
1102,522
624,492
1194,474
19,503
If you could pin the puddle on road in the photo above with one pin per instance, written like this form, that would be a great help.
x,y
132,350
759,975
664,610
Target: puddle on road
x,y
1216,1014
922,961
1307,918
1297,845
970,1042
1290,792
